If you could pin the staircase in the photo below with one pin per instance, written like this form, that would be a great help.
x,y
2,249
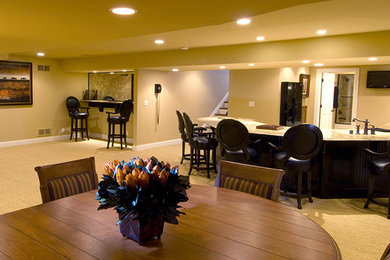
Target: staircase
x,y
222,107
223,110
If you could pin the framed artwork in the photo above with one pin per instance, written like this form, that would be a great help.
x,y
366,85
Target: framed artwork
x,y
305,80
15,83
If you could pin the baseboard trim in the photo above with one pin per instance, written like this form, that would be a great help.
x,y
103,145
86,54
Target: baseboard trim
x,y
157,144
33,140
104,137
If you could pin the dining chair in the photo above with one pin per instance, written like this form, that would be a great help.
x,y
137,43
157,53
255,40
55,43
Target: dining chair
x,y
73,106
378,165
234,139
121,118
260,181
300,144
66,179
205,142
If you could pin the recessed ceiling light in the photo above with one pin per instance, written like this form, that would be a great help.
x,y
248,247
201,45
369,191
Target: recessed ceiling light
x,y
159,41
373,58
175,70
222,67
251,64
243,21
260,38
319,64
305,61
111,72
123,11
124,70
94,71
40,54
184,48
321,32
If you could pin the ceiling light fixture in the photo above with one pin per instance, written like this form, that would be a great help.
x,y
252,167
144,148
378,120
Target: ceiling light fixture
x,y
321,32
243,21
373,59
41,54
319,64
94,71
184,48
251,64
159,41
175,70
123,11
111,72
305,61
124,70
222,67
260,38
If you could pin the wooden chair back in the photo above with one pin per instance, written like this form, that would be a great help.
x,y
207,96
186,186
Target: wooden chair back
x,y
66,179
260,181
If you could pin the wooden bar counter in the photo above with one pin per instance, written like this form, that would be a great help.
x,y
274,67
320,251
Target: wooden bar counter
x,y
339,170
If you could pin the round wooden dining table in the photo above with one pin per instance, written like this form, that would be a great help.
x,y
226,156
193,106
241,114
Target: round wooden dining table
x,y
219,224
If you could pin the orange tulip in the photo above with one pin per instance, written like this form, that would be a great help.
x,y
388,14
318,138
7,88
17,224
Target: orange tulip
x,y
131,181
163,176
143,179
167,165
120,176
126,168
149,166
107,170
138,161
136,172
156,170
115,162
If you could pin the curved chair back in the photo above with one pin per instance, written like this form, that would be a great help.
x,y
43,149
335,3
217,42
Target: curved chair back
x,y
256,180
126,109
108,98
303,141
188,126
66,179
181,125
232,135
73,104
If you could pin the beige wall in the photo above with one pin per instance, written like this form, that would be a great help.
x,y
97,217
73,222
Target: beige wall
x,y
50,90
261,86
372,103
195,92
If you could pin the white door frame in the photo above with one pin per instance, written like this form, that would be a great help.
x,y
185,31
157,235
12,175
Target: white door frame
x,y
317,97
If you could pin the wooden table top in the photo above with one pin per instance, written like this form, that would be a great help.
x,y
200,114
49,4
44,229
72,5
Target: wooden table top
x,y
220,224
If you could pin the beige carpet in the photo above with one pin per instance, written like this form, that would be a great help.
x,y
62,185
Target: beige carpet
x,y
360,233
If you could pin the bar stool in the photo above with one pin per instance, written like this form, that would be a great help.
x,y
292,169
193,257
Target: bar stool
x,y
378,165
183,135
300,145
202,142
73,106
124,115
234,139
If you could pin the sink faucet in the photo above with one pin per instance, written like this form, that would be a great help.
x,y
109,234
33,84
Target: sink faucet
x,y
365,124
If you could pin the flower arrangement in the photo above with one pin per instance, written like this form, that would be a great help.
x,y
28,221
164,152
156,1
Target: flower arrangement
x,y
144,193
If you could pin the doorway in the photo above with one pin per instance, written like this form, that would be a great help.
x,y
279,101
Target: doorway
x,y
336,98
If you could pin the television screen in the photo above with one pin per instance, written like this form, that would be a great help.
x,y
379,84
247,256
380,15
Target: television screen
x,y
378,79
